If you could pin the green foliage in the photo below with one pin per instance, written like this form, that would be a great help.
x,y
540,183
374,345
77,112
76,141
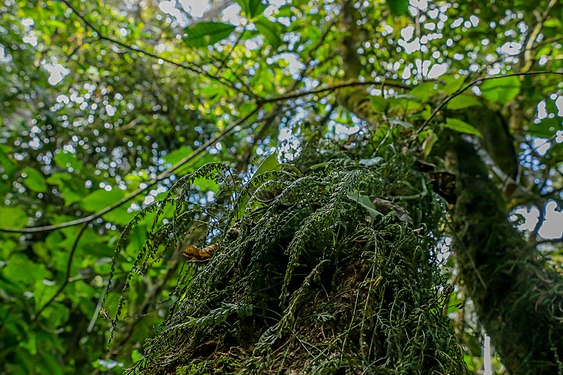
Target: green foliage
x,y
398,7
204,34
462,101
259,297
461,127
91,113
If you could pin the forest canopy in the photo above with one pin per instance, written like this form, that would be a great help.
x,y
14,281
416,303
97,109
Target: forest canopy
x,y
260,186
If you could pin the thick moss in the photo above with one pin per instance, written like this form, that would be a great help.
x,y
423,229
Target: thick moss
x,y
322,278
518,298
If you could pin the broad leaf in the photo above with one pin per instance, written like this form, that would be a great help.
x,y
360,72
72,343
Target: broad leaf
x,y
206,33
270,30
428,143
70,186
402,123
34,180
453,84
501,90
101,199
68,160
547,128
424,91
251,8
461,127
12,217
366,203
177,155
269,164
379,104
462,101
5,161
398,7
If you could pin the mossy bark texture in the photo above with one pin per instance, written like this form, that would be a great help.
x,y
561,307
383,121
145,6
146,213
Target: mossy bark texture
x,y
518,298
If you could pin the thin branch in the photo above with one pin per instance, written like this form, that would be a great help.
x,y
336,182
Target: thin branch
x,y
533,35
541,220
335,87
67,274
473,83
223,64
167,173
141,51
550,240
223,61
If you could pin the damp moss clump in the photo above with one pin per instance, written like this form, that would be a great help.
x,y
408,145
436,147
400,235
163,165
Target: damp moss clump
x,y
325,265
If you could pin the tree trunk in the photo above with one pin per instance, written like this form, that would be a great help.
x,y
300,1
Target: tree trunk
x,y
518,298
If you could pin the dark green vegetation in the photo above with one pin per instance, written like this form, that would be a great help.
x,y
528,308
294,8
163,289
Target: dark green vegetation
x,y
318,278
404,134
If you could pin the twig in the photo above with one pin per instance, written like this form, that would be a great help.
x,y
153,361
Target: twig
x,y
335,87
167,173
473,83
549,240
531,37
67,274
185,66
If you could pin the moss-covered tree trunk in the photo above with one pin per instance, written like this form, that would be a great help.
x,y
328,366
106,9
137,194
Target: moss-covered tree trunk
x,y
519,300
331,270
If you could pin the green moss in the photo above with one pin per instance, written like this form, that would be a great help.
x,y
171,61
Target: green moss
x,y
333,273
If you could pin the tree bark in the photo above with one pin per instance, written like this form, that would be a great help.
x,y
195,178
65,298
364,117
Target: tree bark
x,y
518,298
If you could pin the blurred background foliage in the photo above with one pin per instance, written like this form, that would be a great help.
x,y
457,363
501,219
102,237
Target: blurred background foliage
x,y
99,98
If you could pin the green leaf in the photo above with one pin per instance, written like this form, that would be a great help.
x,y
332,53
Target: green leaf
x,y
206,184
501,90
67,160
269,164
177,155
424,91
429,143
379,104
462,101
547,128
12,217
398,7
21,269
402,123
206,33
251,8
461,127
453,84
70,187
270,30
7,163
34,180
101,199
119,216
365,202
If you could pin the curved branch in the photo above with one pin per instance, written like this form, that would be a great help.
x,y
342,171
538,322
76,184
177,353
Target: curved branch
x,y
531,37
191,67
473,83
167,173
335,87
67,274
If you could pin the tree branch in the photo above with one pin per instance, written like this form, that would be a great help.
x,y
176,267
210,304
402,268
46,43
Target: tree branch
x,y
192,68
473,83
336,87
67,273
526,54
167,173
